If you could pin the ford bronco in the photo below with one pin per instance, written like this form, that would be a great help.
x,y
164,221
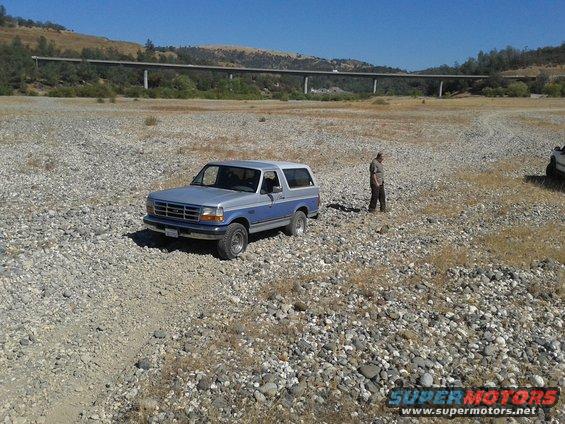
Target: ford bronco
x,y
229,200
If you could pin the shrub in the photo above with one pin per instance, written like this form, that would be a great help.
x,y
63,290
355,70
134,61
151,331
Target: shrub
x,y
296,95
62,92
282,96
262,119
95,90
151,121
135,91
185,94
183,83
99,100
493,92
553,89
5,90
112,99
518,89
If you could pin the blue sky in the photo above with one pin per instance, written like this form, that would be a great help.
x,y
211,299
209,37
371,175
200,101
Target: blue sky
x,y
407,34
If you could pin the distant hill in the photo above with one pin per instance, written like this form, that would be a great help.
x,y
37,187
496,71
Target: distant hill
x,y
261,58
66,40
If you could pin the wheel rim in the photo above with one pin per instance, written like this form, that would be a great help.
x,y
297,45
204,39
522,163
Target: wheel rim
x,y
237,243
300,227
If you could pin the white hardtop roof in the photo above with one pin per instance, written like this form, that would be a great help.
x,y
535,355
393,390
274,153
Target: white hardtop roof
x,y
260,164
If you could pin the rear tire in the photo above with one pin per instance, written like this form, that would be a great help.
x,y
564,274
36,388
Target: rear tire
x,y
234,241
298,224
550,170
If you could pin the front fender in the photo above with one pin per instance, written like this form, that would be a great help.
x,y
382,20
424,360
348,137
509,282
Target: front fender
x,y
237,216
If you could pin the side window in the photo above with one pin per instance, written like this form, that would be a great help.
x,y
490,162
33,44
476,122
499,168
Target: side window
x,y
270,180
298,177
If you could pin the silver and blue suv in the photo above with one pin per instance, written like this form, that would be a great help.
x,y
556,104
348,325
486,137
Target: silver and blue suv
x,y
229,200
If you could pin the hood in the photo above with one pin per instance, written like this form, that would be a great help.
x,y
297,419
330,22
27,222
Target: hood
x,y
199,196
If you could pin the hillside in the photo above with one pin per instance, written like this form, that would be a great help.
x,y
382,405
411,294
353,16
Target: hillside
x,y
262,58
535,70
66,40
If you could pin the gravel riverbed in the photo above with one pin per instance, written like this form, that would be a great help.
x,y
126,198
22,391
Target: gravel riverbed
x,y
461,283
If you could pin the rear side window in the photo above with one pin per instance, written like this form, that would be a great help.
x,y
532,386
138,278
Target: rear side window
x,y
298,177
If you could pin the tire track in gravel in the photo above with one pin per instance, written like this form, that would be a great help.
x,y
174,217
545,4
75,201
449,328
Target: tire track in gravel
x,y
127,333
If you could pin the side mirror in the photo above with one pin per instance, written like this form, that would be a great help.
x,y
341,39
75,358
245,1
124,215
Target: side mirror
x,y
277,189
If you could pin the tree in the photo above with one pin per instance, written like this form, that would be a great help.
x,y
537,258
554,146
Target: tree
x,y
149,46
541,80
2,15
553,89
518,89
183,83
45,48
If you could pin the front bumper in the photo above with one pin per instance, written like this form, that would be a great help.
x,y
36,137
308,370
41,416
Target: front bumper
x,y
195,231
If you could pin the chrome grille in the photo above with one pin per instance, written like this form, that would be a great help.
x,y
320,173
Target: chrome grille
x,y
177,211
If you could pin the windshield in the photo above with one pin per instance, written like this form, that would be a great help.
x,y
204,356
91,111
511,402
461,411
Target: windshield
x,y
228,178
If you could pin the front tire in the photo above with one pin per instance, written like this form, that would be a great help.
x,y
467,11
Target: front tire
x,y
298,224
234,241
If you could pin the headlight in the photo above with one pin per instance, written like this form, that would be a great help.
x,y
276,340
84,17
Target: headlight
x,y
212,214
150,206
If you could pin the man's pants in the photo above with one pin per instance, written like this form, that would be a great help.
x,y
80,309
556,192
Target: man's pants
x,y
377,193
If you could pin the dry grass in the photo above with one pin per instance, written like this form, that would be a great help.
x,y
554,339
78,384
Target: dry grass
x,y
521,245
381,102
235,148
542,124
45,164
442,209
151,121
504,187
507,186
66,39
448,257
533,71
367,280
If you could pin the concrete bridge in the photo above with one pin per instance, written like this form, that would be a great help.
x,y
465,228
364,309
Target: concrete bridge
x,y
305,73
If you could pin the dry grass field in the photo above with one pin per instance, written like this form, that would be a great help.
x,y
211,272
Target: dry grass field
x,y
66,40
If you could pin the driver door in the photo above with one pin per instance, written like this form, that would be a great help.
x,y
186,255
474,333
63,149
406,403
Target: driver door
x,y
269,208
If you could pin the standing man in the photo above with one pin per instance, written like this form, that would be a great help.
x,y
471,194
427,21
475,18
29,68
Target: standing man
x,y
377,184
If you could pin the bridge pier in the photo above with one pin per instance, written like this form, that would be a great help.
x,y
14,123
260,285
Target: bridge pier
x,y
374,86
306,85
145,79
440,89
